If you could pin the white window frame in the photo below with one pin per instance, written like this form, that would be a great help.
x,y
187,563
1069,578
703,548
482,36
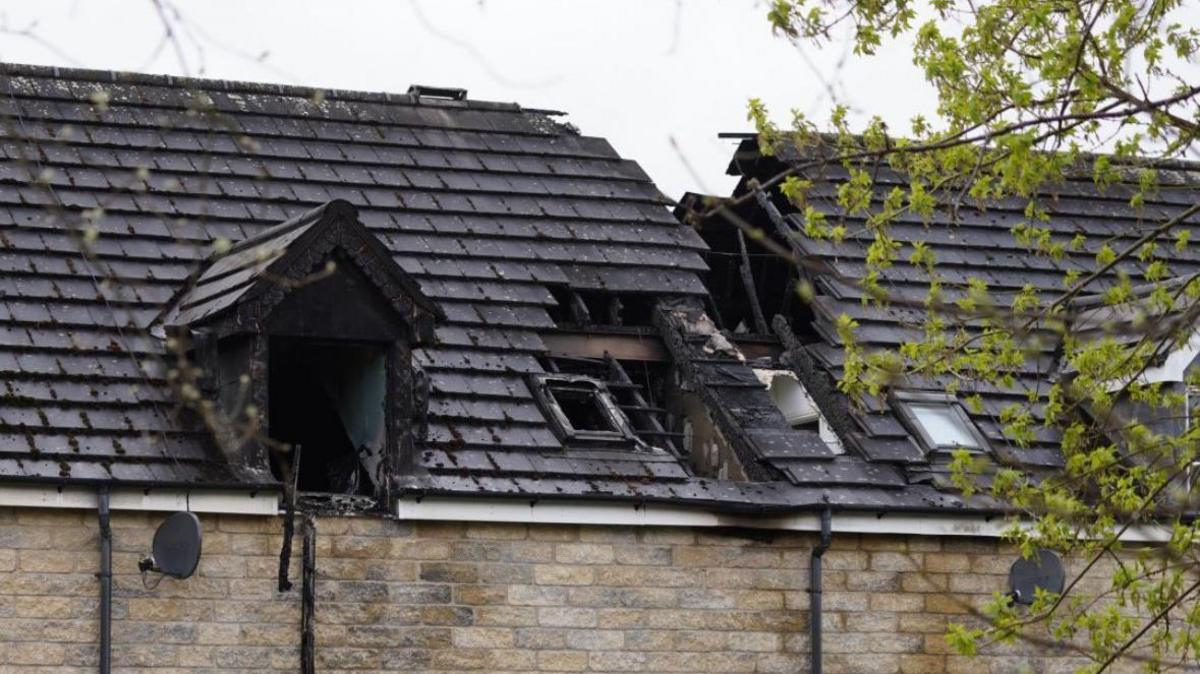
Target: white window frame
x,y
902,401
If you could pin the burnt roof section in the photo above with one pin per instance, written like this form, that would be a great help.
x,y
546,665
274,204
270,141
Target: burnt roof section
x,y
976,241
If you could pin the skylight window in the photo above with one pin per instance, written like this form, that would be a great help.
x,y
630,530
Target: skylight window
x,y
944,426
939,421
583,409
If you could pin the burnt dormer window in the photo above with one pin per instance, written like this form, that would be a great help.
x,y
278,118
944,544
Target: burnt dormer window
x,y
308,330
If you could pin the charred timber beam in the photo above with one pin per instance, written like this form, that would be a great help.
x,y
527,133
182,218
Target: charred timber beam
x,y
773,214
786,232
308,597
818,384
642,408
579,311
621,347
677,324
747,273
592,347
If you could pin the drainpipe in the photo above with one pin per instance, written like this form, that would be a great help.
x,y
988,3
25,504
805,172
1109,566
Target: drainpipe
x,y
814,589
105,576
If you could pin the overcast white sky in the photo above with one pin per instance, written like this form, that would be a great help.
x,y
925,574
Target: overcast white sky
x,y
658,78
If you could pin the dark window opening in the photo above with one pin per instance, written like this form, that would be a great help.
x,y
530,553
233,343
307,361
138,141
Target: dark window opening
x,y
329,400
638,389
582,406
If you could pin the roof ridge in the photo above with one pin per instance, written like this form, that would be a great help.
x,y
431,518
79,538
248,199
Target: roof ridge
x,y
101,76
749,140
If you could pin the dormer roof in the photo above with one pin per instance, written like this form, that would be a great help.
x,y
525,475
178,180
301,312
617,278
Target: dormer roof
x,y
260,270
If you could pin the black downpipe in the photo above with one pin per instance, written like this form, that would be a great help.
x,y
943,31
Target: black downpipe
x,y
105,584
814,588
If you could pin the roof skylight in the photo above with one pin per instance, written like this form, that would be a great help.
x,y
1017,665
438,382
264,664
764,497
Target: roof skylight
x,y
944,426
582,409
939,421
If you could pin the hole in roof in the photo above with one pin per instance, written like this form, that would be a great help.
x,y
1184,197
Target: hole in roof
x,y
774,279
580,308
797,407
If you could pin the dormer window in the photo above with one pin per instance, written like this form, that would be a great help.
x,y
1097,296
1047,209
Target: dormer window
x,y
305,333
328,403
583,410
938,421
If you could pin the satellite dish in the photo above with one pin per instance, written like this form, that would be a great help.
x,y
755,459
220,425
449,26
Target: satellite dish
x,y
1044,570
176,550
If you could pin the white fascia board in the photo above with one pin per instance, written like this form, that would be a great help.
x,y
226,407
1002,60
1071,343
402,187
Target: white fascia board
x,y
216,501
605,513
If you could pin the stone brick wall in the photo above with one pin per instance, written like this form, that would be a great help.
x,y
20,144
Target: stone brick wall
x,y
403,597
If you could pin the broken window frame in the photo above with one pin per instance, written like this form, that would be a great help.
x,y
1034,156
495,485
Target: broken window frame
x,y
633,394
902,402
623,431
815,420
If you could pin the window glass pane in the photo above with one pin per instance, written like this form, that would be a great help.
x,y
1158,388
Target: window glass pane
x,y
943,425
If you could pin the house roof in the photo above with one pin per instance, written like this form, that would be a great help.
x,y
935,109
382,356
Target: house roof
x,y
117,187
976,241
